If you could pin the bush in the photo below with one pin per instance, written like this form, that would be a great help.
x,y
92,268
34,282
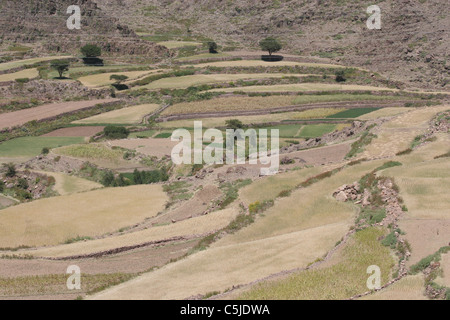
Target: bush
x,y
23,80
340,76
10,169
116,132
91,51
23,195
212,46
45,150
22,183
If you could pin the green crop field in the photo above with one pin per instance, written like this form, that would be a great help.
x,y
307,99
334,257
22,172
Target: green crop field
x,y
316,130
352,113
32,146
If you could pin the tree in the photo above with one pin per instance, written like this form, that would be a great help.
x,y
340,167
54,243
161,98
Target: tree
x,y
270,44
116,132
119,79
91,51
340,76
61,66
212,46
234,124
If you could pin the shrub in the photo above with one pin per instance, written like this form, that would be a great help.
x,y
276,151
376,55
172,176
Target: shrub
x,y
116,132
10,169
22,183
45,150
340,76
212,47
91,51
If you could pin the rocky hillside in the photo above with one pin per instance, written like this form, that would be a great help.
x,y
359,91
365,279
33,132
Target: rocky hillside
x,y
412,46
45,22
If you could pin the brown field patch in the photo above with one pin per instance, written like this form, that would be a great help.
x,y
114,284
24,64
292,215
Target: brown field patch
x,y
75,132
17,118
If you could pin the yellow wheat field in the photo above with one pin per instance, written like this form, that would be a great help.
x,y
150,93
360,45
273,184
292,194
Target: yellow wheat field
x,y
103,79
408,288
198,79
129,115
303,87
195,226
55,220
27,73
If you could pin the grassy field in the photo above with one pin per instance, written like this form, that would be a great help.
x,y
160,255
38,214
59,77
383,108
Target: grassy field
x,y
199,79
260,103
273,117
142,134
103,79
55,220
261,63
204,56
179,44
73,71
397,135
27,73
316,130
340,281
32,146
352,113
129,115
196,226
66,184
408,288
303,87
21,63
91,152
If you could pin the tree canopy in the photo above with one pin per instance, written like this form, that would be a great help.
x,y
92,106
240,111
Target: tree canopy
x,y
270,44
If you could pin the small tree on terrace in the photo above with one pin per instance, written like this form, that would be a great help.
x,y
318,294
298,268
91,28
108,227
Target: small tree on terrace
x,y
61,66
212,46
119,79
270,44
91,51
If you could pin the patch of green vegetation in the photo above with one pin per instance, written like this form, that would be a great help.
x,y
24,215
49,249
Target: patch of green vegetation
x,y
352,113
77,239
358,146
388,164
163,135
316,130
425,262
230,189
32,146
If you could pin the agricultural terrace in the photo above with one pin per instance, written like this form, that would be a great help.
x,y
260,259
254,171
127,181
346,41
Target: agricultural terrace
x,y
261,63
303,87
199,79
129,115
17,118
243,103
55,220
23,74
103,79
26,62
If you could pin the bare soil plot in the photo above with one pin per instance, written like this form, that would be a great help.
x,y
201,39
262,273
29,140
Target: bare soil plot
x,y
385,112
55,220
408,288
17,118
129,115
87,131
27,73
150,146
134,261
426,236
